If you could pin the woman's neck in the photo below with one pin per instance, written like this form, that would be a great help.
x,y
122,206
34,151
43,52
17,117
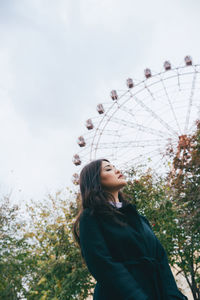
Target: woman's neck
x,y
116,196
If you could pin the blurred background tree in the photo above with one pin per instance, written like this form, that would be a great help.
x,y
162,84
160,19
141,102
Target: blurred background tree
x,y
15,262
59,272
184,180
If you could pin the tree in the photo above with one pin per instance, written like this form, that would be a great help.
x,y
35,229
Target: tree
x,y
148,192
14,253
59,272
184,180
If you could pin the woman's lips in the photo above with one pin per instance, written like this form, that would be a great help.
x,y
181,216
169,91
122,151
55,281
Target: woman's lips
x,y
120,176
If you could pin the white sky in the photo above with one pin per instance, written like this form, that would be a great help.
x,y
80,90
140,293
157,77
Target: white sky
x,y
59,59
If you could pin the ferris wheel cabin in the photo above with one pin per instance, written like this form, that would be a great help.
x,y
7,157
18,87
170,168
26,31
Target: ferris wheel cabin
x,y
100,109
147,73
81,141
76,160
89,125
113,95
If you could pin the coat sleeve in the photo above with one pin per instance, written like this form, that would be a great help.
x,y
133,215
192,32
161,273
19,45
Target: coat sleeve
x,y
170,283
111,274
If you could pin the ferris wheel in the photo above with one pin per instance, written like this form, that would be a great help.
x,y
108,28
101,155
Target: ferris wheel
x,y
136,124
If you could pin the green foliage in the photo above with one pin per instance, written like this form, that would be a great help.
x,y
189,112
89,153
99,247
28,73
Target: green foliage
x,y
59,272
185,180
38,258
149,193
179,236
14,253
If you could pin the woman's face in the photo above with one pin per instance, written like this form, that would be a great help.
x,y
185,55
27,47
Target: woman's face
x,y
111,178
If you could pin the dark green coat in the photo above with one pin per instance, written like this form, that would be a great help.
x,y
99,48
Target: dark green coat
x,y
128,262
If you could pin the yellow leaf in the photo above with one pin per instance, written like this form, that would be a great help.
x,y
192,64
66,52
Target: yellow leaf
x,y
43,279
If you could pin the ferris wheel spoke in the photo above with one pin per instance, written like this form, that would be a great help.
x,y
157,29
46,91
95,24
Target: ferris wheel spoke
x,y
110,131
150,111
126,109
116,139
136,125
178,78
150,92
139,127
97,129
190,102
156,151
106,132
170,104
193,126
142,144
138,161
84,152
109,118
143,155
157,165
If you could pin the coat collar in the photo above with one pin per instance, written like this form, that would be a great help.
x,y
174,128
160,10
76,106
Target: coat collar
x,y
128,207
116,204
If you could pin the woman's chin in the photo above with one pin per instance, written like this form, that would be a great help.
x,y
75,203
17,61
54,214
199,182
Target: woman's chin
x,y
123,183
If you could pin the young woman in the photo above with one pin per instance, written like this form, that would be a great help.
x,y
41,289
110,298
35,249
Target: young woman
x,y
117,243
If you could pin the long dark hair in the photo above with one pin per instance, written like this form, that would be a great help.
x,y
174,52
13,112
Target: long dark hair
x,y
94,197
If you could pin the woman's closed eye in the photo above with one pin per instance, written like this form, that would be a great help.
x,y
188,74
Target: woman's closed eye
x,y
109,168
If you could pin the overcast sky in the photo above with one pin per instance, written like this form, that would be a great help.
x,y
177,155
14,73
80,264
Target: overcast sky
x,y
59,59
